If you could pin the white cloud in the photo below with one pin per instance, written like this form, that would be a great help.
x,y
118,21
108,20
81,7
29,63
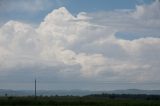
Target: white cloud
x,y
85,46
144,20
147,12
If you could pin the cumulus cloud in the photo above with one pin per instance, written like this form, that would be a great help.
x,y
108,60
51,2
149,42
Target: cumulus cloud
x,y
85,47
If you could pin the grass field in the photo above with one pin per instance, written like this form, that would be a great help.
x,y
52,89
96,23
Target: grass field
x,y
77,101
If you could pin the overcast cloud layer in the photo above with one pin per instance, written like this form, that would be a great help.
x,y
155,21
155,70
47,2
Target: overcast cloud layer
x,y
112,46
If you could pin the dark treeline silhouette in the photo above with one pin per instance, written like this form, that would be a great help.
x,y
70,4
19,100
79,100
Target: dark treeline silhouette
x,y
126,96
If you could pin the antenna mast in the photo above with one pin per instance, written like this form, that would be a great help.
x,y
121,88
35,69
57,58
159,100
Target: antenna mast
x,y
35,89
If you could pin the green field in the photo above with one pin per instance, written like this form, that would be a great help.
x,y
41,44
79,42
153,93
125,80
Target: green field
x,y
78,101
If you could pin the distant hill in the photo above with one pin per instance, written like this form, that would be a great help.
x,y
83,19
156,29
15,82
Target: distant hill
x,y
4,92
135,91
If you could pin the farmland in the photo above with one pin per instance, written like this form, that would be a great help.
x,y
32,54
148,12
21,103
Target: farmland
x,y
91,100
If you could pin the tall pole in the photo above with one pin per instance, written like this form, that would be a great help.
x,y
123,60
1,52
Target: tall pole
x,y
35,89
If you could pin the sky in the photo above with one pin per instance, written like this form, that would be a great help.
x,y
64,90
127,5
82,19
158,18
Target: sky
x,y
79,44
34,11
